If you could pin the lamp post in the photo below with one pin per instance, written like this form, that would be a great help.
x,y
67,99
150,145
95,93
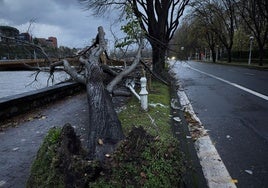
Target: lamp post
x,y
250,48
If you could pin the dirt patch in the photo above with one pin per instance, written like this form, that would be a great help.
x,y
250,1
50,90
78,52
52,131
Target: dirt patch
x,y
139,160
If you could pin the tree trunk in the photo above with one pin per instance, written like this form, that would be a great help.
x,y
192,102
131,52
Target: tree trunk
x,y
158,59
229,55
261,54
213,55
104,125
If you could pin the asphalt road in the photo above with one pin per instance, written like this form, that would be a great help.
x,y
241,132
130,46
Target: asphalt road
x,y
232,103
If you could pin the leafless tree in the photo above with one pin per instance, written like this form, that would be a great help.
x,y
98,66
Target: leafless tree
x,y
158,19
219,18
263,6
254,15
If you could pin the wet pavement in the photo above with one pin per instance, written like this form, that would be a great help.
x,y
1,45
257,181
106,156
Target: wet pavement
x,y
232,104
20,144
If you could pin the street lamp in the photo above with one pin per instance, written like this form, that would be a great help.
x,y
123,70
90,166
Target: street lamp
x,y
250,48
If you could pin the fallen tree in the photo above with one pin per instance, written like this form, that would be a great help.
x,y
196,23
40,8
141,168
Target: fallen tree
x,y
104,126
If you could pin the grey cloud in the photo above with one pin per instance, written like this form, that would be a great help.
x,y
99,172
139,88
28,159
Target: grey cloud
x,y
67,17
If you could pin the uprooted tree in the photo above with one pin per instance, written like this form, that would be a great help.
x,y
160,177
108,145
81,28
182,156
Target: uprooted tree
x,y
104,124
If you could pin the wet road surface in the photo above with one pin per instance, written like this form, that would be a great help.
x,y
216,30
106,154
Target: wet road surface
x,y
232,104
20,144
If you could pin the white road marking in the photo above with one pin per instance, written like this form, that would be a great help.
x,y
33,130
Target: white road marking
x,y
249,74
213,167
265,97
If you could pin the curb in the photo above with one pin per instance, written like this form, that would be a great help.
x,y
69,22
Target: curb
x,y
264,68
21,103
194,177
213,168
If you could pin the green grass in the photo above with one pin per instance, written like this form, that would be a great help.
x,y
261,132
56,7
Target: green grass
x,y
134,116
149,156
43,173
155,162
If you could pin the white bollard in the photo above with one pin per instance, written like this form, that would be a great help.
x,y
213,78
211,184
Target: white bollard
x,y
144,94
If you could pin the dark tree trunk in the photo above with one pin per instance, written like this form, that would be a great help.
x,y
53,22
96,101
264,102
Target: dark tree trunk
x,y
261,54
158,59
104,124
229,55
213,55
261,45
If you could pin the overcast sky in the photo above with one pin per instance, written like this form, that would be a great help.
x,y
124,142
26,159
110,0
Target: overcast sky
x,y
64,19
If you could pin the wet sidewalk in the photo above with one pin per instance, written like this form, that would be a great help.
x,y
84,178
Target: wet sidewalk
x,y
19,144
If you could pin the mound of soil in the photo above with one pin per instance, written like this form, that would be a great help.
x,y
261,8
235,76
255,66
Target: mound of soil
x,y
64,163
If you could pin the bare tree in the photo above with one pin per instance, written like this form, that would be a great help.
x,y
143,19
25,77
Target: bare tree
x,y
158,19
254,15
219,18
263,6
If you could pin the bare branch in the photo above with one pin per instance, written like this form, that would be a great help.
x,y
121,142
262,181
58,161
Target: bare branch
x,y
125,72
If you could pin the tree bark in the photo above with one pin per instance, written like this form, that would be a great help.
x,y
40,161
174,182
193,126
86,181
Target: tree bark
x,y
261,55
229,54
158,59
104,124
103,121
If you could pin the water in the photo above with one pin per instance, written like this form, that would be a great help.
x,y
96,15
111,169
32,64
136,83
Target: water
x,y
17,82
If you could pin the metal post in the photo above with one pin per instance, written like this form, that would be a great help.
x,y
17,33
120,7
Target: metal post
x,y
131,84
250,48
144,94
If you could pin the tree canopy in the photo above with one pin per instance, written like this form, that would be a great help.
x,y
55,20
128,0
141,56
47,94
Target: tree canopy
x,y
159,20
225,28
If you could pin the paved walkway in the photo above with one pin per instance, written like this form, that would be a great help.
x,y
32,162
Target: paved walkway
x,y
20,144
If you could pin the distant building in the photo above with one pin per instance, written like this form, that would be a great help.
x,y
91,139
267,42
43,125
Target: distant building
x,y
50,42
8,31
42,41
25,37
54,41
12,32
